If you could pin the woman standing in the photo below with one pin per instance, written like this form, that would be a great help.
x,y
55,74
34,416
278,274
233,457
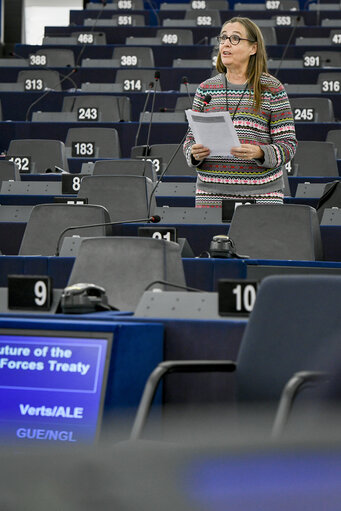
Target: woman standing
x,y
261,114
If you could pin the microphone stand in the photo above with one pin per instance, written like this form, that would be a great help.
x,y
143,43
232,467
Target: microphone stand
x,y
151,219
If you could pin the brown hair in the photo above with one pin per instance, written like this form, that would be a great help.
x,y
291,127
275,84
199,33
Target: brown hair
x,y
257,62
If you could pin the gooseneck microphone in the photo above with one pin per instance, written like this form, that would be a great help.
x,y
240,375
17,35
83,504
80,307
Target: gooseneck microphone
x,y
66,77
157,78
151,85
184,80
78,61
297,19
155,219
205,102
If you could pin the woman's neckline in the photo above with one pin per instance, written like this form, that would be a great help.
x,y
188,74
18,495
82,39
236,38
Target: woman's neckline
x,y
232,85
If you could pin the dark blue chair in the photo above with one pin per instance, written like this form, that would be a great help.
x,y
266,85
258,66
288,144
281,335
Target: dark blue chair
x,y
292,330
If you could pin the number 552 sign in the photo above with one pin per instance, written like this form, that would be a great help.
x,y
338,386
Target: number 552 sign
x,y
236,296
29,292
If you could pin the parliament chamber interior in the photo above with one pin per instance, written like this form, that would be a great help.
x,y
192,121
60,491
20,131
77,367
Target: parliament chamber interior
x,y
104,254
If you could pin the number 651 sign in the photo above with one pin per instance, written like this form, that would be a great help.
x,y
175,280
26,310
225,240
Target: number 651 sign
x,y
236,296
30,292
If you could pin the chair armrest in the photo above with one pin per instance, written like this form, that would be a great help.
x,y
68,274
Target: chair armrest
x,y
289,393
173,366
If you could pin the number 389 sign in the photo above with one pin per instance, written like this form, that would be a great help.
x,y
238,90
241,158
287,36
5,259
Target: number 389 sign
x,y
236,296
29,292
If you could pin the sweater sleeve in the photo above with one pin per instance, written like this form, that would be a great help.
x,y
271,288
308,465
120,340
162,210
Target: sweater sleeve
x,y
282,131
196,107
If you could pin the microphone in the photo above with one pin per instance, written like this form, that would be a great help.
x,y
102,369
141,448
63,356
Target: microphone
x,y
151,85
66,77
104,3
151,219
203,40
184,80
167,283
157,77
297,19
206,101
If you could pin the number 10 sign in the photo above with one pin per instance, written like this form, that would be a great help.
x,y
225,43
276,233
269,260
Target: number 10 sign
x,y
236,296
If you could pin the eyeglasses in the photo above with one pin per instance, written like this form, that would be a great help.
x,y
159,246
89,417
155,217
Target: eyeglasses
x,y
234,39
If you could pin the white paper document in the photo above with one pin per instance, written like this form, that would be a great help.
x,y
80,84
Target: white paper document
x,y
214,130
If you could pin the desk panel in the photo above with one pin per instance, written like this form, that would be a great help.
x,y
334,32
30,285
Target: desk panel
x,y
160,132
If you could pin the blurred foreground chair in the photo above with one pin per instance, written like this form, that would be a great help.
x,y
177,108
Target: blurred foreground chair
x,y
47,222
294,323
126,266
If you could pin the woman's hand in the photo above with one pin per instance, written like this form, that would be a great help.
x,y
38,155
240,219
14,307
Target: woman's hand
x,y
199,152
248,152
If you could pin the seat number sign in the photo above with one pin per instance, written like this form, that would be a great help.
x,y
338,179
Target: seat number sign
x,y
87,114
236,297
29,292
83,149
23,163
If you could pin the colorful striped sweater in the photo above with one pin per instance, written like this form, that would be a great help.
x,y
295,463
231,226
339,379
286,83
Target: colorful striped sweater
x,y
272,128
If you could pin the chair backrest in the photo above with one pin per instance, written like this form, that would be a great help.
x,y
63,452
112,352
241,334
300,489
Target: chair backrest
x,y
39,79
137,80
134,56
315,158
334,136
183,103
269,35
93,143
329,82
43,154
54,57
102,108
9,171
125,266
326,58
125,197
47,222
270,231
312,109
128,167
175,36
179,166
295,321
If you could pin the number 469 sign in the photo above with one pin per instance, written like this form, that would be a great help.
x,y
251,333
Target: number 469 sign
x,y
236,296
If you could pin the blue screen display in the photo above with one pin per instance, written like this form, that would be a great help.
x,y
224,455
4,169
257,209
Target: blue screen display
x,y
52,386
